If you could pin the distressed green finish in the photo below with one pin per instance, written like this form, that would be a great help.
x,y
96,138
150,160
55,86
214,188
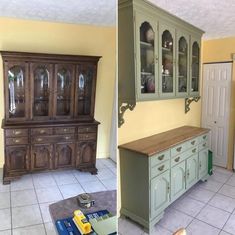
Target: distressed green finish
x,y
150,184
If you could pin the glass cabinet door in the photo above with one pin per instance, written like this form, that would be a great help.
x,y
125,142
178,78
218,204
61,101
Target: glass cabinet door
x,y
167,63
84,91
195,68
147,65
41,77
64,75
182,67
17,91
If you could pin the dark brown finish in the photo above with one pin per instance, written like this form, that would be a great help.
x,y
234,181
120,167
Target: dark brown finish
x,y
160,142
49,116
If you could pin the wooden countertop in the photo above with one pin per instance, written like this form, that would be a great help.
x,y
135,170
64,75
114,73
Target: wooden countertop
x,y
165,140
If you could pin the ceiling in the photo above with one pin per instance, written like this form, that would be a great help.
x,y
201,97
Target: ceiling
x,y
94,12
215,17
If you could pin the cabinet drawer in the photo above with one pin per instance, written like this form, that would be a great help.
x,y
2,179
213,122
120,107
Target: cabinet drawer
x,y
52,139
203,138
160,168
62,130
192,142
41,131
86,129
16,132
160,157
20,140
179,149
181,157
88,136
202,145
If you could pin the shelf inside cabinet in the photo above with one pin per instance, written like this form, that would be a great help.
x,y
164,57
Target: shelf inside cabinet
x,y
146,44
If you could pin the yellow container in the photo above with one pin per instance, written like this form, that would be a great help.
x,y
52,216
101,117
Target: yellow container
x,y
81,222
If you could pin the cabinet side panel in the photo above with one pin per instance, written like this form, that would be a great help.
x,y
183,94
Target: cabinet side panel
x,y
126,66
134,176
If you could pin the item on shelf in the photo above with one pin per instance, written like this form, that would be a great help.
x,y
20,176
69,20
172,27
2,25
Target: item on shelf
x,y
85,200
149,35
81,222
150,84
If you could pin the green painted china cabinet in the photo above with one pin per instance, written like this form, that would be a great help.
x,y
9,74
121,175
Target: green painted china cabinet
x,y
158,54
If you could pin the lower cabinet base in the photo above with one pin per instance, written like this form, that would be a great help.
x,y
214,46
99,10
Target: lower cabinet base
x,y
149,225
14,176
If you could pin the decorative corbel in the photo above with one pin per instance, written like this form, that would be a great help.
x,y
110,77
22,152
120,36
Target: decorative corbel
x,y
122,107
188,101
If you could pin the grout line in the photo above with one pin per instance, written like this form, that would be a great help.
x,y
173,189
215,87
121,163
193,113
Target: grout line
x,y
39,206
32,225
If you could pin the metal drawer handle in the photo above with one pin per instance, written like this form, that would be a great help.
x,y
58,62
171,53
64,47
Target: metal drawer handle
x,y
17,132
178,149
42,131
177,159
17,141
65,129
193,142
161,168
204,137
39,139
204,145
194,150
161,157
87,129
87,136
67,137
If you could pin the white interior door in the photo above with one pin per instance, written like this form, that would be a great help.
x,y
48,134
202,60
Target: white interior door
x,y
215,108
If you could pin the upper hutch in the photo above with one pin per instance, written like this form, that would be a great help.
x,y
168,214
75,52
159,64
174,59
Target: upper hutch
x,y
158,54
49,112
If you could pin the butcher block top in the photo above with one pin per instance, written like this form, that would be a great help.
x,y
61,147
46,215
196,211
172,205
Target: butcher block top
x,y
151,145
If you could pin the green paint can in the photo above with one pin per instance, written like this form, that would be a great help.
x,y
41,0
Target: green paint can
x,y
210,162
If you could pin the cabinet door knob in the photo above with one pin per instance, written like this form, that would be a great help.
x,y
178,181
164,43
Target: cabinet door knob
x,y
193,142
17,141
39,139
178,149
204,137
177,159
194,150
161,157
204,145
42,131
161,168
67,137
65,129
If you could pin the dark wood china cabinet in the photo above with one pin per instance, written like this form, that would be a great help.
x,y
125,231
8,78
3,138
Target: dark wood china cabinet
x,y
49,113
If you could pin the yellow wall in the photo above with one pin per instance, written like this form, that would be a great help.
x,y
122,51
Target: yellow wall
x,y
38,36
153,117
220,50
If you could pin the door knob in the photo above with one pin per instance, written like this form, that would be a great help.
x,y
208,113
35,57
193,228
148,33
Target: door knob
x,y
215,122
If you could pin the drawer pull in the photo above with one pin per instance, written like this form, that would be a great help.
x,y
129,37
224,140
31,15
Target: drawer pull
x,y
200,165
17,132
204,145
17,141
178,149
161,168
204,137
188,173
193,142
67,137
87,129
39,139
42,131
177,159
161,157
194,150
65,130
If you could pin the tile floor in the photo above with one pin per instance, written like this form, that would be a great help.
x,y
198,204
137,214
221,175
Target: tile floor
x,y
207,208
24,203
